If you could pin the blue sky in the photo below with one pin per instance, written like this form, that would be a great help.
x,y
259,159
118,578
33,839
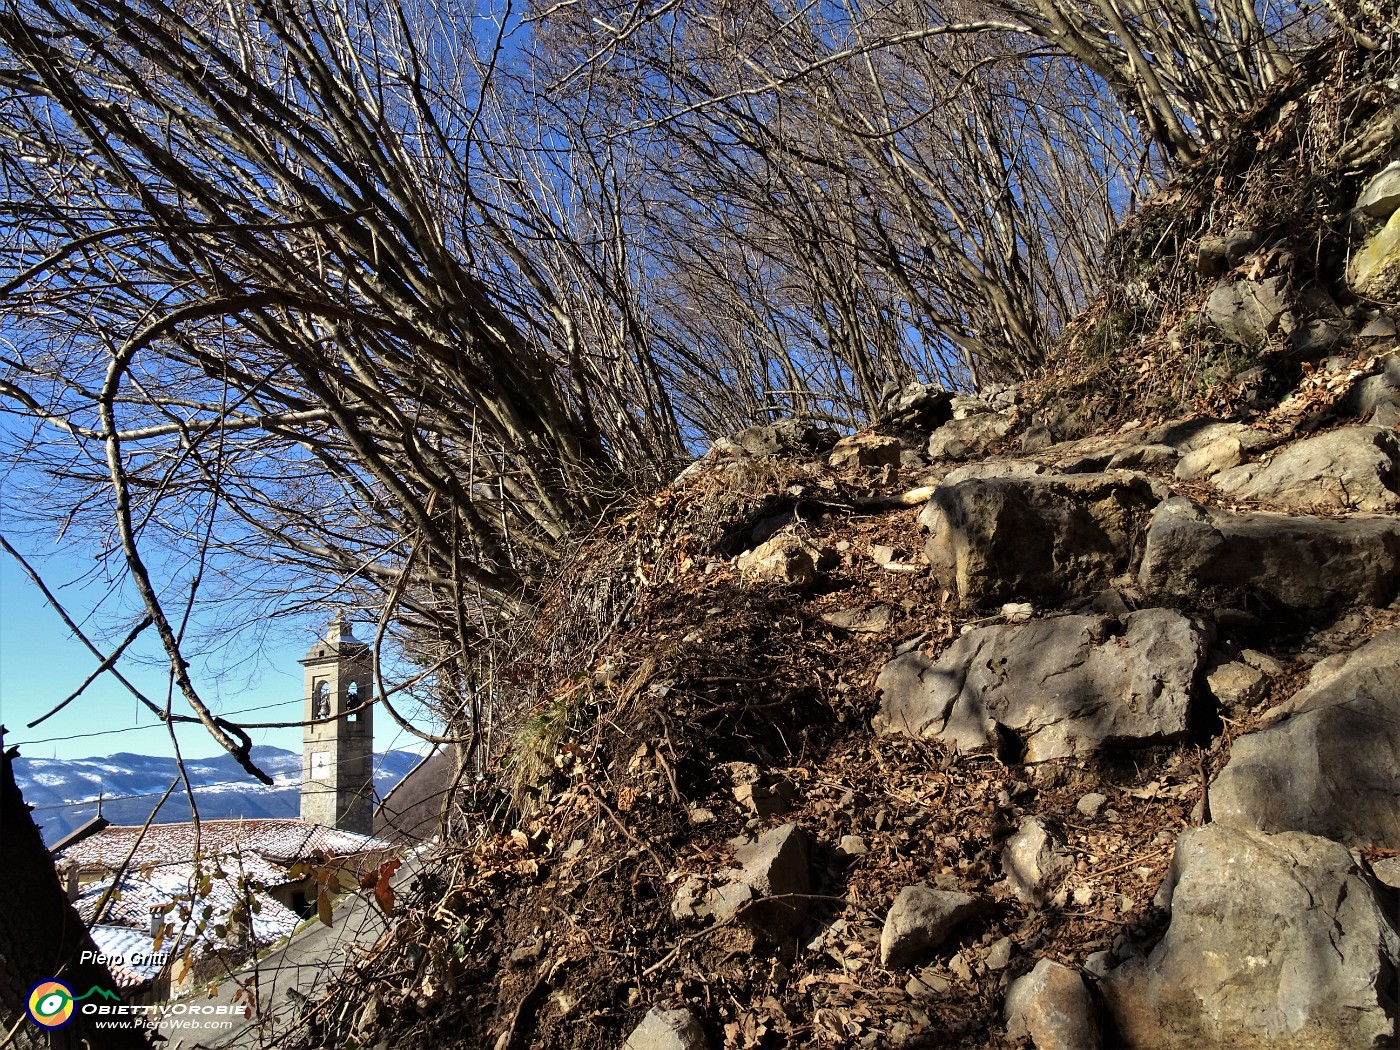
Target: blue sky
x,y
41,663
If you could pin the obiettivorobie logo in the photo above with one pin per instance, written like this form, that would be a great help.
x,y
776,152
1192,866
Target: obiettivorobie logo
x,y
52,1004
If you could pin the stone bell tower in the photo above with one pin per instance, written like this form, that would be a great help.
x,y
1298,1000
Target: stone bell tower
x,y
337,757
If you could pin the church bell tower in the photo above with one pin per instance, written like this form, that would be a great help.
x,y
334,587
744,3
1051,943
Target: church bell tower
x,y
337,757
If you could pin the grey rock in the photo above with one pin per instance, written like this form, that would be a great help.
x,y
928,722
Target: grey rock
x,y
1261,661
1218,447
852,846
1387,871
1212,260
967,405
999,955
786,437
1064,686
969,436
920,920
1051,1006
1239,243
770,526
1204,462
724,902
1145,456
775,868
1353,468
1381,197
999,539
918,407
1091,805
783,559
1037,439
1237,685
1034,861
1249,312
1374,270
1098,963
1321,335
874,620
1382,326
1274,941
1330,767
1375,393
667,1030
1299,562
866,450
882,553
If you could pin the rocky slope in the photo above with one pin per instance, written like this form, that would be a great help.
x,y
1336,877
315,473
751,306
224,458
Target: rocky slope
x,y
1059,715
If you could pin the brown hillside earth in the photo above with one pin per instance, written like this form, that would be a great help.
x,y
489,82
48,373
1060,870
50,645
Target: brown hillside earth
x,y
709,814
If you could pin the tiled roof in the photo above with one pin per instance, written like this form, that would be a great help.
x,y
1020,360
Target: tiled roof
x,y
280,840
197,909
127,944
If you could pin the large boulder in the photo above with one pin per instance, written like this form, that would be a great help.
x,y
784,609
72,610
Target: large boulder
x,y
1275,940
1057,687
1296,562
1349,469
1333,766
999,539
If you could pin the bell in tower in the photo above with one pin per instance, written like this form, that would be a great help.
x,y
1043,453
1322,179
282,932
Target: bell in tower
x,y
337,772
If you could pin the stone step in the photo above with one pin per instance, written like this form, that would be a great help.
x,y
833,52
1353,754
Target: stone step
x,y
1206,557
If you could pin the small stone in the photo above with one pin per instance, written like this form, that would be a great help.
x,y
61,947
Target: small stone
x,y
1387,871
783,559
999,957
1051,1007
1237,685
1381,197
1261,662
921,919
1378,327
1033,861
874,620
1091,804
667,1030
852,846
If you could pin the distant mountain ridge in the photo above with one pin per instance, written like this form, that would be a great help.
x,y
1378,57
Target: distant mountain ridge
x,y
61,790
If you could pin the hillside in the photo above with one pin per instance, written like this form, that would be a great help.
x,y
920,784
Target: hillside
x,y
1061,714
62,791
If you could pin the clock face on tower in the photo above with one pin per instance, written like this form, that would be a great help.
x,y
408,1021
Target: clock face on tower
x,y
320,765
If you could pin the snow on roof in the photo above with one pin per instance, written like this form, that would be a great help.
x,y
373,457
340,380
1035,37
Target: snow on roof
x,y
282,841
122,942
194,907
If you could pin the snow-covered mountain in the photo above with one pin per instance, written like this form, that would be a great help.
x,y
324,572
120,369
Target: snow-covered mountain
x,y
61,790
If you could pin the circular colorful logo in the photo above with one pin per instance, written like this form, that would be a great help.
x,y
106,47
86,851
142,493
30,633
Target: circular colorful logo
x,y
51,1004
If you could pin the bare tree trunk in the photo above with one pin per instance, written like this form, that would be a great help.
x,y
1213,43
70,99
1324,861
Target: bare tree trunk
x,y
41,935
